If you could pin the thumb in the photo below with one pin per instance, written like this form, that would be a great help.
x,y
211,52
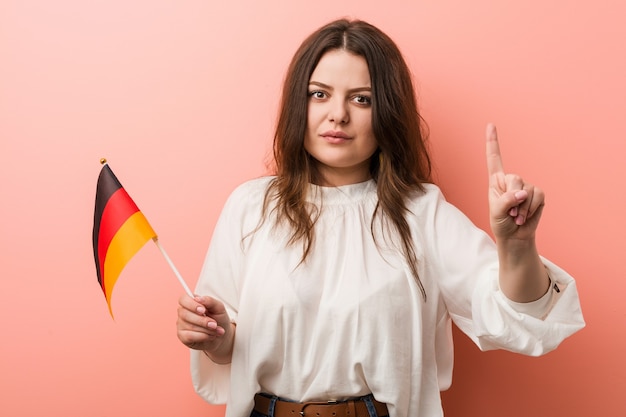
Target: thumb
x,y
212,305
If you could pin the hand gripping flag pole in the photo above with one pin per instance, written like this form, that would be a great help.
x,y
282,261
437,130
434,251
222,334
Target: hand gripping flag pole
x,y
119,230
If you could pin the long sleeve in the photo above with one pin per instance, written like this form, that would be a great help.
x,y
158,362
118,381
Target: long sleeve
x,y
221,278
466,264
499,322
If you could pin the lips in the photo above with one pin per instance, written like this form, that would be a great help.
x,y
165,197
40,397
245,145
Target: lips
x,y
335,136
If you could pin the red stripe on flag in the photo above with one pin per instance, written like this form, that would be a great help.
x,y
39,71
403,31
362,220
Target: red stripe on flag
x,y
118,209
133,234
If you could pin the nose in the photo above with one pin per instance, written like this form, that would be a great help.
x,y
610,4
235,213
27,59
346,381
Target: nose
x,y
338,111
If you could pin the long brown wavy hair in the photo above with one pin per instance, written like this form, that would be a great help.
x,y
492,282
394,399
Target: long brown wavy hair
x,y
401,163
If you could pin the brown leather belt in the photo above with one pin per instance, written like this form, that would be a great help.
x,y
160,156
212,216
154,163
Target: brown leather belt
x,y
350,408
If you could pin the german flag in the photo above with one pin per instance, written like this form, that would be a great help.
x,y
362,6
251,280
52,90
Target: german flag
x,y
119,230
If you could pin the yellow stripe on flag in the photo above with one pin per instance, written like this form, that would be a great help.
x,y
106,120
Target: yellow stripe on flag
x,y
131,237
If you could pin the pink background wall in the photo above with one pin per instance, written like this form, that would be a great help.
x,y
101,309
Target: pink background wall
x,y
181,98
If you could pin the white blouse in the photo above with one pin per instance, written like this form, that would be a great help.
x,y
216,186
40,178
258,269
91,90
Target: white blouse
x,y
351,320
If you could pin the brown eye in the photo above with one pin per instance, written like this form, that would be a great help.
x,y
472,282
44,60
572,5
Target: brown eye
x,y
362,100
317,94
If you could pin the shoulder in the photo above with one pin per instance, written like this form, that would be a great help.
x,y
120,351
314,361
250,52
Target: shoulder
x,y
434,216
248,197
252,189
430,196
430,207
433,190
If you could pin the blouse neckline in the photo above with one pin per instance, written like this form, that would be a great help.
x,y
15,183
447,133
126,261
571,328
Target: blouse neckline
x,y
342,194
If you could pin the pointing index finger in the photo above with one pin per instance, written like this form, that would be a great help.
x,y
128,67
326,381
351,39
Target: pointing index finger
x,y
494,159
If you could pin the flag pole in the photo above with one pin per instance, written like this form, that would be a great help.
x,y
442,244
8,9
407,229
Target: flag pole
x,y
171,264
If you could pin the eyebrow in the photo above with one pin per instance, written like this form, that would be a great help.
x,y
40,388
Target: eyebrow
x,y
328,87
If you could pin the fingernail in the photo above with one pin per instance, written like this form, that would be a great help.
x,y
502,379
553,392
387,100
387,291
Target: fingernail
x,y
212,325
200,310
519,220
521,194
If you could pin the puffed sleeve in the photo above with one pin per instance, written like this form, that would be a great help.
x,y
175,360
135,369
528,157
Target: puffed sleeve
x,y
465,263
220,278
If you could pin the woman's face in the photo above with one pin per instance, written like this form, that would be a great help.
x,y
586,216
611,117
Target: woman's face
x,y
339,124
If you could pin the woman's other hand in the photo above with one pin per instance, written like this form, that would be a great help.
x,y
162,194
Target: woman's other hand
x,y
204,324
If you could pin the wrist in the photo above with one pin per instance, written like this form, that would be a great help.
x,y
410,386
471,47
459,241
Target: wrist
x,y
522,275
512,252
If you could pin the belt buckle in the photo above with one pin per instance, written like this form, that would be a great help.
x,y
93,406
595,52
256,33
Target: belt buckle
x,y
331,402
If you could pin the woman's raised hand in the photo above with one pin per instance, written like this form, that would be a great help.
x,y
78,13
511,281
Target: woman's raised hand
x,y
515,206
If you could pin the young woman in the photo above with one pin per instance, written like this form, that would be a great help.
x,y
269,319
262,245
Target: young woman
x,y
331,286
